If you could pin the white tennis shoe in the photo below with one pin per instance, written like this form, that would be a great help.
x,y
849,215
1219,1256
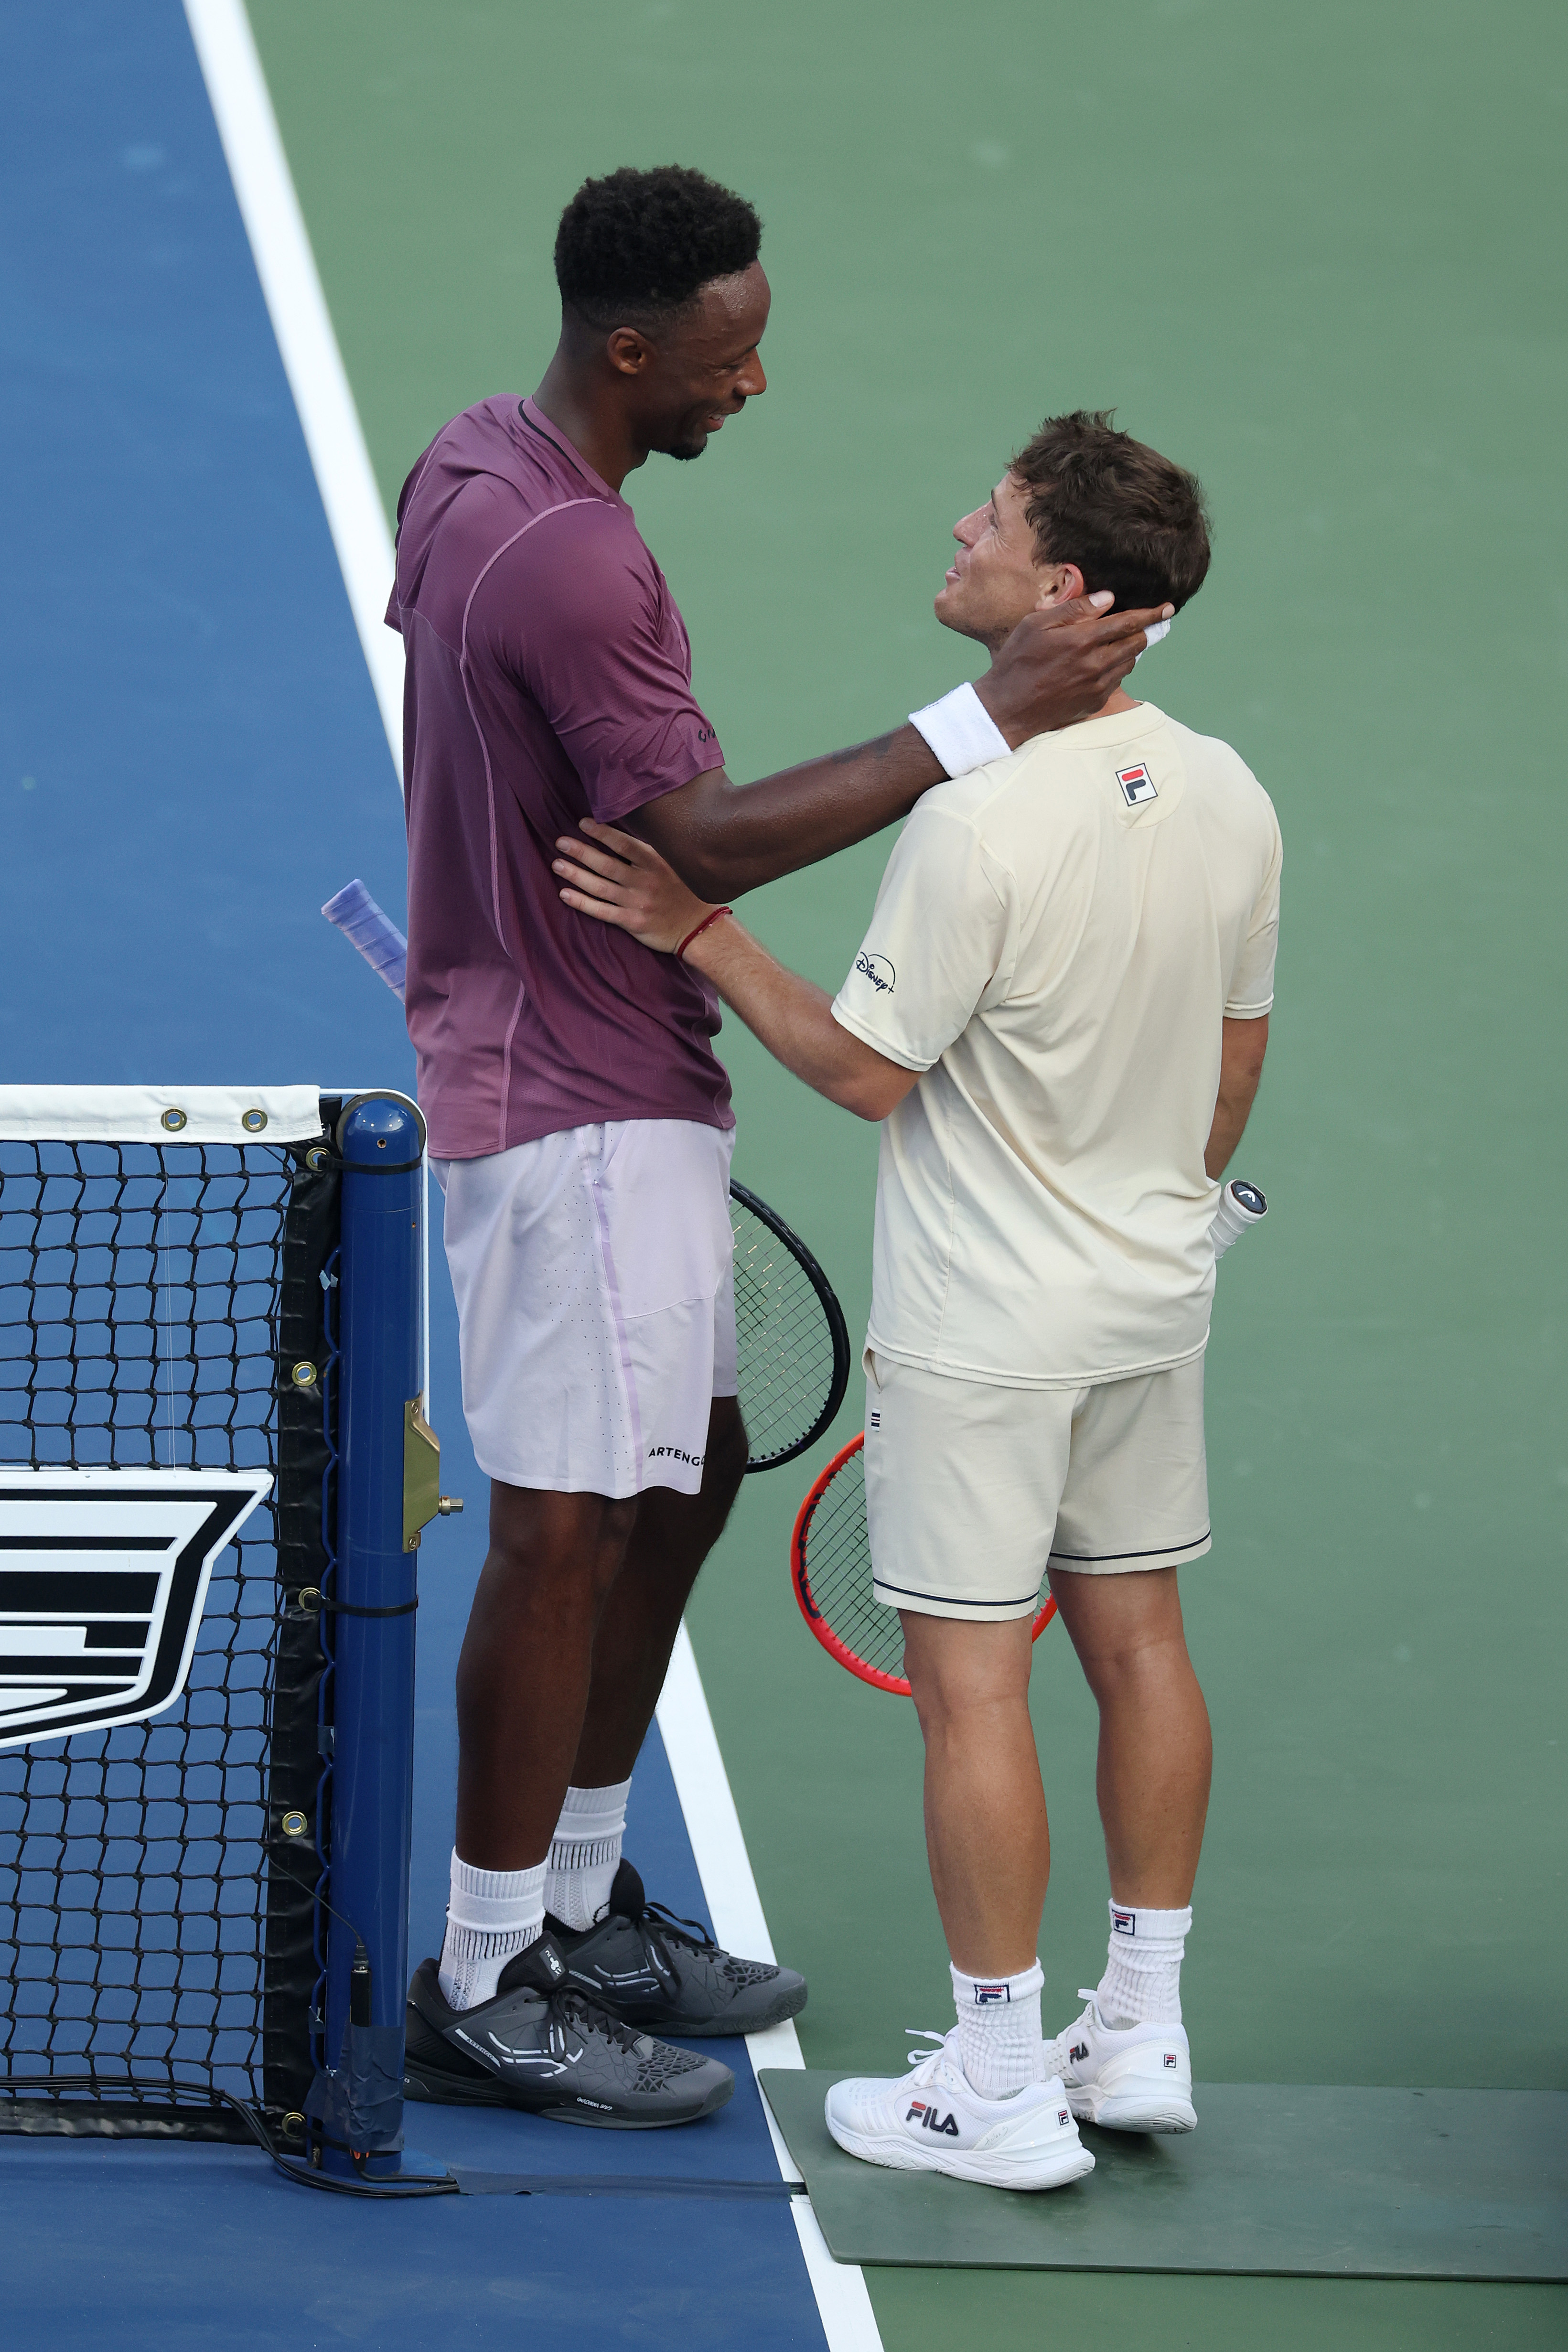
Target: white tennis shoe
x,y
932,2121
1125,2078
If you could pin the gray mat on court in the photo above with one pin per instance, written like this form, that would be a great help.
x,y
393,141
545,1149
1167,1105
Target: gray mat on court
x,y
1290,2181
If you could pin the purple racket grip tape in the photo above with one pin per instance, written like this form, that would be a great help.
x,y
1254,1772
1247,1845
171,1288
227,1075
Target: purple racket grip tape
x,y
376,936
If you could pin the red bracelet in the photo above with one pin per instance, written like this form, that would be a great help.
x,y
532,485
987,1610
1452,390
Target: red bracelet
x,y
696,934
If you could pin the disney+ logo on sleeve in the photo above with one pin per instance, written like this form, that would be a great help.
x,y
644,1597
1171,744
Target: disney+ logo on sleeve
x,y
878,971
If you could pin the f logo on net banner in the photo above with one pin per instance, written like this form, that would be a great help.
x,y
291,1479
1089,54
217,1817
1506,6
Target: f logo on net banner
x,y
103,1578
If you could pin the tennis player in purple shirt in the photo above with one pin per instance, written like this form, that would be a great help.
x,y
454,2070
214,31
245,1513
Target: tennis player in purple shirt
x,y
580,1128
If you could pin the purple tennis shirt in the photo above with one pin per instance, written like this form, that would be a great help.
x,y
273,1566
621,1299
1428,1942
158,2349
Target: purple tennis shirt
x,y
549,678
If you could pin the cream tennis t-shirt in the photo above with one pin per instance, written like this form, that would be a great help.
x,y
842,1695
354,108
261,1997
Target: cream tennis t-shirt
x,y
1056,941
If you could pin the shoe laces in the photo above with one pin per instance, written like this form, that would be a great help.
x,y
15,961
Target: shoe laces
x,y
664,1929
926,2064
573,2008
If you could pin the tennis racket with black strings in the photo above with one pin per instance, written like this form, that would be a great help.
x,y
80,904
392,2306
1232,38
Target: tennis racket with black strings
x,y
789,1327
794,1347
830,1555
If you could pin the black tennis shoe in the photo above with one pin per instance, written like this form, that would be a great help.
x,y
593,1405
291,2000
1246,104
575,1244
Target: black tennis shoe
x,y
539,2045
668,1974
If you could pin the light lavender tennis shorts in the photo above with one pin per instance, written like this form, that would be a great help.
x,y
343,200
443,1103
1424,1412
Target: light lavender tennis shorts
x,y
595,1285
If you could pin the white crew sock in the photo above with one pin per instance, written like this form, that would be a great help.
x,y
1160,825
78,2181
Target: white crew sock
x,y
493,1914
999,2035
1142,1979
585,1853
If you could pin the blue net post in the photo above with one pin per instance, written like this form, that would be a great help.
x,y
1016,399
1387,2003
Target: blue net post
x,y
381,1141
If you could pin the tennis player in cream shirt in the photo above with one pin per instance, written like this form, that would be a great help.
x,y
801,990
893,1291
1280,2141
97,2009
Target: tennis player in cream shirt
x,y
1059,1013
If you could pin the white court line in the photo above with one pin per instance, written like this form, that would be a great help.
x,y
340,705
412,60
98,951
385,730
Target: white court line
x,y
311,360
284,262
735,1909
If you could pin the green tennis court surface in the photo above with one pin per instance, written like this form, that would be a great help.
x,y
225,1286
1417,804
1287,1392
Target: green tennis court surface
x,y
1306,251
1303,2181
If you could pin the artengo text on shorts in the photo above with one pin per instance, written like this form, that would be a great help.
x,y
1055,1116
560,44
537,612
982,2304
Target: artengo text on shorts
x,y
676,1453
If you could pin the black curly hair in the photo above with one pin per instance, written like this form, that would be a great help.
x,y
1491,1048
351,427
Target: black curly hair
x,y
636,246
1131,520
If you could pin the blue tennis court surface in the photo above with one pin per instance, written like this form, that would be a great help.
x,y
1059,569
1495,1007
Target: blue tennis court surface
x,y
191,762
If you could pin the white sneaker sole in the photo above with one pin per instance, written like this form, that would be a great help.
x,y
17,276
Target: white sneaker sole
x,y
1032,2169
1132,2110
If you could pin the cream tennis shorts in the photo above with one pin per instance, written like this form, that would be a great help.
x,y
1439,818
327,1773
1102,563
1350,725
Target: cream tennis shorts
x,y
596,1285
973,1492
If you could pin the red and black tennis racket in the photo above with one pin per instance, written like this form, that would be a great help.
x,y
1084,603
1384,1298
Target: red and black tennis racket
x,y
830,1568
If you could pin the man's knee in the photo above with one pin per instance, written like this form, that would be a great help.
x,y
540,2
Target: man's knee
x,y
1122,1627
958,1668
551,1538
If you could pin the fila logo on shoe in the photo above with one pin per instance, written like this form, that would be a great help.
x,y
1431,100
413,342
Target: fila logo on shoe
x,y
928,2119
1064,2116
1137,785
1170,2057
1078,2053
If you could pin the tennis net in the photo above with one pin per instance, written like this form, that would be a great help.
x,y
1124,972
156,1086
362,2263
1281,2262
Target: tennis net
x,y
164,1267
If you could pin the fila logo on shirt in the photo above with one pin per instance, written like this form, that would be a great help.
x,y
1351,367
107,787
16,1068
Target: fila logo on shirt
x,y
878,971
985,1994
929,2120
1137,785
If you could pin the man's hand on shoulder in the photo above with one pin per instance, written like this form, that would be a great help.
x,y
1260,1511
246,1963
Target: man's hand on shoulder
x,y
1063,664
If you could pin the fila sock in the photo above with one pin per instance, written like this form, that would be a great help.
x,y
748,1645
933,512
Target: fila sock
x,y
1142,1979
492,1915
585,1853
999,2034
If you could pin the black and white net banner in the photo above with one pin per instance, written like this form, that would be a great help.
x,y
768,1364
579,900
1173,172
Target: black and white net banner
x,y
160,1113
103,1576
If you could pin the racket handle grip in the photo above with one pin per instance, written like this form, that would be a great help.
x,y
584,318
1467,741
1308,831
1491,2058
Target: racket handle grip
x,y
356,915
1241,1206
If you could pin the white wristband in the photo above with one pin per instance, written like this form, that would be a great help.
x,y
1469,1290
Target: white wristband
x,y
1153,633
961,731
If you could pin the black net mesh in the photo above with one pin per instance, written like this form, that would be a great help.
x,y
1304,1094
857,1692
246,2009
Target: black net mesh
x,y
138,1303
793,1355
838,1572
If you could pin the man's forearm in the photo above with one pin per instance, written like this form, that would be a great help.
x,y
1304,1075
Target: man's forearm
x,y
794,1019
724,839
1057,665
1243,1046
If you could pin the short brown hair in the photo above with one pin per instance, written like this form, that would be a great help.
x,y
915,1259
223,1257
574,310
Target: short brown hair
x,y
1130,520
